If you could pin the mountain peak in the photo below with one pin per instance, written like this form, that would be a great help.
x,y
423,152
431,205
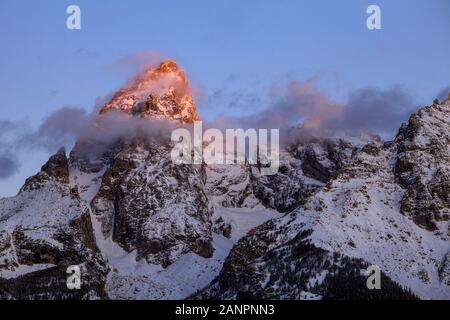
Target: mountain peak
x,y
56,169
169,66
160,92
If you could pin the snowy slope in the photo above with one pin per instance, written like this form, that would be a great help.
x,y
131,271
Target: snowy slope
x,y
43,230
357,220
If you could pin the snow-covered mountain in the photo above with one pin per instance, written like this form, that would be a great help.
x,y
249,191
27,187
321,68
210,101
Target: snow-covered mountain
x,y
43,230
141,227
389,206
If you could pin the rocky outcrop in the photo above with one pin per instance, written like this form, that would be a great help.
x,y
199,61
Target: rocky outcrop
x,y
304,169
56,169
386,207
160,92
147,203
422,167
43,230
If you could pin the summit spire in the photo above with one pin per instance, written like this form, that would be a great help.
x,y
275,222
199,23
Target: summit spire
x,y
161,92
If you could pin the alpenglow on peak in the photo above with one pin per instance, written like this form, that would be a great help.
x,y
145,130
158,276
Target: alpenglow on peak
x,y
160,92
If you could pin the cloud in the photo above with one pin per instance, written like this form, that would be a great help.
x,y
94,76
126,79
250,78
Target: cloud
x,y
6,126
65,126
61,128
135,62
8,166
374,110
8,162
297,108
300,102
444,94
302,106
103,131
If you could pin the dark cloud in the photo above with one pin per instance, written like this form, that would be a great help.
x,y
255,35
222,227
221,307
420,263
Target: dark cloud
x,y
301,109
8,163
444,94
375,110
8,166
6,126
61,128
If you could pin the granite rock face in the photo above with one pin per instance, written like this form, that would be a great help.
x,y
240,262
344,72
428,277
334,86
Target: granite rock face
x,y
147,203
43,230
387,206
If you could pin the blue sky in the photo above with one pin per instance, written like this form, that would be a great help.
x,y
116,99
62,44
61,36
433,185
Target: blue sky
x,y
243,46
